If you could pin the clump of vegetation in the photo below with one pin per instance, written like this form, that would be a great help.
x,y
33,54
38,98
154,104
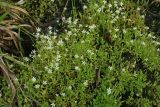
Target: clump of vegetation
x,y
109,58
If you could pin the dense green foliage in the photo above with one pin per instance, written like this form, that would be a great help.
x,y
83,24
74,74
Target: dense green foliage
x,y
107,57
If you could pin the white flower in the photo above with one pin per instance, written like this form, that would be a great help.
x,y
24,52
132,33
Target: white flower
x,y
56,64
44,82
110,68
158,50
89,51
123,70
115,36
117,11
63,18
138,9
33,79
53,105
124,17
143,43
38,29
158,43
75,102
70,87
83,31
63,94
135,28
37,86
50,27
82,41
121,3
99,10
116,30
109,90
76,56
57,95
124,31
26,59
146,27
77,68
56,68
85,83
131,41
149,35
104,1
83,63
92,26
60,43
49,71
109,5
115,2
84,7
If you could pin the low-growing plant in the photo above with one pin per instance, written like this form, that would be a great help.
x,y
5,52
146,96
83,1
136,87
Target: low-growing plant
x,y
106,59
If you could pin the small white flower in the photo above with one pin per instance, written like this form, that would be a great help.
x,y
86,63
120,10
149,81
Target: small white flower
x,y
75,102
123,70
33,79
70,87
131,41
82,41
124,17
138,9
116,30
83,31
56,68
60,43
158,43
121,3
77,68
56,95
85,83
146,27
109,5
50,27
38,29
44,82
146,59
63,94
92,26
84,7
124,31
158,50
117,11
83,63
115,2
115,36
149,35
109,90
110,68
104,1
69,33
99,10
143,43
26,59
89,51
53,105
135,28
56,64
63,18
49,71
37,86
142,16
76,56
